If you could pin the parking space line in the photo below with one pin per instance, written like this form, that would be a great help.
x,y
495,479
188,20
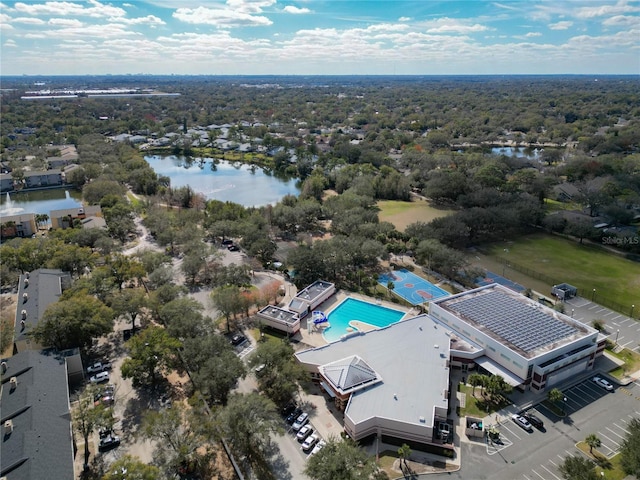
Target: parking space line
x,y
538,474
511,431
610,440
573,400
601,310
554,463
621,428
616,434
622,322
608,313
551,472
570,453
527,478
589,391
561,458
624,345
616,317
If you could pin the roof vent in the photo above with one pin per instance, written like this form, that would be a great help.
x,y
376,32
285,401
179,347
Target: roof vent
x,y
4,367
24,314
26,282
8,427
25,297
422,419
395,396
23,325
436,346
13,381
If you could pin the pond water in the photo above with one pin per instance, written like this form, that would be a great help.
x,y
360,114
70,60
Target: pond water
x,y
519,152
223,180
39,202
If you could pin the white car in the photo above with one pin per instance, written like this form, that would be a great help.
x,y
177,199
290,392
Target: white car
x,y
522,422
100,377
310,442
300,422
319,446
304,432
603,383
98,367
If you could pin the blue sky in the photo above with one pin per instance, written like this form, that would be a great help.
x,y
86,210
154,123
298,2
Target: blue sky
x,y
311,37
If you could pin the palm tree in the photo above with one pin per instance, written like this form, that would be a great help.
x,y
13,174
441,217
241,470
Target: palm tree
x,y
555,395
404,452
475,379
390,287
593,441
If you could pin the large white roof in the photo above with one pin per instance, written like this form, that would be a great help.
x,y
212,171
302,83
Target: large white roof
x,y
409,357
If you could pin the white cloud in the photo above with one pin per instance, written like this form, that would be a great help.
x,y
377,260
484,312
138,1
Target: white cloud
x,y
28,21
148,20
10,43
404,19
453,25
250,6
533,34
65,22
563,25
622,21
219,17
295,10
96,10
601,10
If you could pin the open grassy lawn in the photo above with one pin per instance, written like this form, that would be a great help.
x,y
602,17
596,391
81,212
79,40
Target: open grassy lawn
x,y
479,405
631,362
402,214
586,267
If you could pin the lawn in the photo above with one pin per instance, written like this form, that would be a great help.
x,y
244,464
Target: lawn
x,y
631,362
479,405
402,214
611,467
614,278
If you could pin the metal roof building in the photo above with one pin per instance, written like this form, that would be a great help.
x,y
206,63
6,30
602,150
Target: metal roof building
x,y
392,381
528,344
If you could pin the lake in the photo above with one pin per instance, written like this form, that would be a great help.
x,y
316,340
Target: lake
x,y
223,180
519,152
39,201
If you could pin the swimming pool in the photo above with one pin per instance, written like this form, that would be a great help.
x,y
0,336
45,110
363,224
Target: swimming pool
x,y
352,309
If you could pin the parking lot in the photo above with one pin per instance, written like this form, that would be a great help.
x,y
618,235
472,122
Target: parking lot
x,y
536,455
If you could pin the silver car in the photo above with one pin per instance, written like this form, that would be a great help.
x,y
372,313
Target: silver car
x,y
300,422
522,422
603,383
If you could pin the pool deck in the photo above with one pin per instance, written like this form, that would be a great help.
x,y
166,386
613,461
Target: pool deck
x,y
315,338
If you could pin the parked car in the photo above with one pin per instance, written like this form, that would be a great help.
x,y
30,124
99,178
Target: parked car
x,y
300,422
108,442
288,409
533,420
319,446
293,416
98,367
258,370
304,432
100,377
227,241
603,383
310,442
105,432
238,339
522,422
233,248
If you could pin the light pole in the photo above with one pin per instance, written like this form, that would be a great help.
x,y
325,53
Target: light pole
x,y
632,307
593,295
564,405
573,310
617,333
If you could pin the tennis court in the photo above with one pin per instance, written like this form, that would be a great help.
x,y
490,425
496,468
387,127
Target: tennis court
x,y
491,277
414,289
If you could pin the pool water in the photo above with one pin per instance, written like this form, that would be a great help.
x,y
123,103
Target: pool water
x,y
352,309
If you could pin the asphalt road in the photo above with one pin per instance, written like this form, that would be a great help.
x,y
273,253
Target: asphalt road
x,y
537,455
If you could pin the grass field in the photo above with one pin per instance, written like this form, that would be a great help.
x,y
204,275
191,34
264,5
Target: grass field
x,y
402,214
586,267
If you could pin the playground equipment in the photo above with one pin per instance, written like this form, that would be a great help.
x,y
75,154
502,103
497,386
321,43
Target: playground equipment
x,y
319,317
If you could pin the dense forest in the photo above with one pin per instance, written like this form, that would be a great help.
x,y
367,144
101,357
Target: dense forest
x,y
365,140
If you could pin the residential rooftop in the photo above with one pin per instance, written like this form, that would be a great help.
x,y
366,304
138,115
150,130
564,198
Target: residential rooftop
x,y
279,314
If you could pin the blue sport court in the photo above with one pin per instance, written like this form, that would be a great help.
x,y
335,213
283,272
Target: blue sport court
x,y
491,277
414,289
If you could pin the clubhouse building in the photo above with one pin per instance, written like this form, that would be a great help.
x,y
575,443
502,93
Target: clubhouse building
x,y
394,382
